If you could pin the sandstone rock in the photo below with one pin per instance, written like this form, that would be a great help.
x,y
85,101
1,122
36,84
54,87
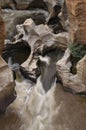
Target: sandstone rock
x,y
77,12
2,34
74,83
7,89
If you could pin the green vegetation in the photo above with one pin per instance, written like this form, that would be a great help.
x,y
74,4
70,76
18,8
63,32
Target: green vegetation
x,y
78,51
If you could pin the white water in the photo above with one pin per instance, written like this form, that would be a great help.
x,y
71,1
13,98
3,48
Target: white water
x,y
36,107
55,110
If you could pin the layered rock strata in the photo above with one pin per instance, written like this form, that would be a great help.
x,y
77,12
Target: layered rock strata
x,y
77,20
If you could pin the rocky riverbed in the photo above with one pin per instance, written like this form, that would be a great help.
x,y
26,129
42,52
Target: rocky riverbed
x,y
42,75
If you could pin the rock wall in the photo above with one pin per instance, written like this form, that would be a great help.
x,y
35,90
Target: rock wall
x,y
2,34
77,19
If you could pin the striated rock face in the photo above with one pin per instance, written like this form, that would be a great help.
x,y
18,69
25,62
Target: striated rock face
x,y
77,19
2,34
7,89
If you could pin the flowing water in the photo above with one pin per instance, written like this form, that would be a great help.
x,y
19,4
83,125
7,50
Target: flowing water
x,y
36,110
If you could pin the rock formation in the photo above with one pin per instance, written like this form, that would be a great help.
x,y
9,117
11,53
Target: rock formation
x,y
77,20
74,83
2,34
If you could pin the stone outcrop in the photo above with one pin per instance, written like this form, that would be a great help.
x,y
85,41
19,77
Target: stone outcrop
x,y
7,89
74,83
77,20
2,34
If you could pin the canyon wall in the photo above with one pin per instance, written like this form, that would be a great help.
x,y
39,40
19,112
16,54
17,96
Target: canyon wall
x,y
77,20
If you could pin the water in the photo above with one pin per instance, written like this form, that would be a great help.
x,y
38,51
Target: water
x,y
36,110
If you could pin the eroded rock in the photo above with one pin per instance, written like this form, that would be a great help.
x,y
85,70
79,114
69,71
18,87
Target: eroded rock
x,y
19,51
74,83
41,36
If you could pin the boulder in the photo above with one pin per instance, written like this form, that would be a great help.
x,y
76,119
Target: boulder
x,y
7,86
74,83
77,20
